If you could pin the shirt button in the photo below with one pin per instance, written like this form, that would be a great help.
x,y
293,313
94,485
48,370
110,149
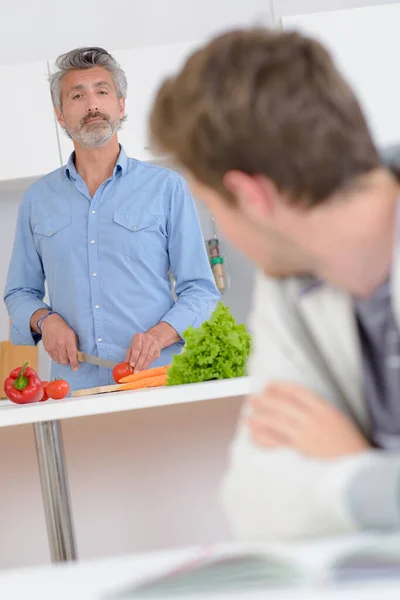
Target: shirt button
x,y
99,340
92,241
94,274
93,212
134,227
49,233
97,306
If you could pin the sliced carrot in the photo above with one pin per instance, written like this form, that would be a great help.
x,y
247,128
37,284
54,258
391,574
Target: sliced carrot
x,y
157,381
144,375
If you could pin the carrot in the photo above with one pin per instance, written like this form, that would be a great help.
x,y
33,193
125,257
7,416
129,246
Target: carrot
x,y
142,384
144,375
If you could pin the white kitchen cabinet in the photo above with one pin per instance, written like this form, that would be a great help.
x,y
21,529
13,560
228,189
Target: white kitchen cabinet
x,y
145,69
29,145
364,42
147,477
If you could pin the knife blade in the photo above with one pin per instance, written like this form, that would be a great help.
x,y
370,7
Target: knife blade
x,y
96,360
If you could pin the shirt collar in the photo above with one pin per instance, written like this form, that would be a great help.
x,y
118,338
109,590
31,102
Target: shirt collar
x,y
120,166
70,169
122,162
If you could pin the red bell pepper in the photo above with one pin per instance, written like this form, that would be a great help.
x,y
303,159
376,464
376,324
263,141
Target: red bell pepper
x,y
23,385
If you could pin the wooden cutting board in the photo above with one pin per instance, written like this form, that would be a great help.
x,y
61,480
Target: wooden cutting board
x,y
15,356
102,389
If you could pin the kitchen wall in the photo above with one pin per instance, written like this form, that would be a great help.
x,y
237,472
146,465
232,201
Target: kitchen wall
x,y
240,271
33,31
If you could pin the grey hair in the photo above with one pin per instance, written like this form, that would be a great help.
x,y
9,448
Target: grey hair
x,y
86,58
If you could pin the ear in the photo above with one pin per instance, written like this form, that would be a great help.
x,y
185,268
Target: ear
x,y
121,108
254,193
59,116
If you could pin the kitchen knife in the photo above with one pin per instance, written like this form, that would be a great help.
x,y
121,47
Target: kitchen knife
x,y
96,360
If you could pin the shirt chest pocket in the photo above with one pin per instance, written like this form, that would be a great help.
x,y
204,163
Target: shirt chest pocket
x,y
135,234
53,238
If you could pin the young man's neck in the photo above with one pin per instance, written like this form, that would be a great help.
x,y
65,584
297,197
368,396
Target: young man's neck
x,y
95,165
355,235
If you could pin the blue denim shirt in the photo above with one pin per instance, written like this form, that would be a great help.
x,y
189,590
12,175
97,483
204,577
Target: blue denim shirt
x,y
106,261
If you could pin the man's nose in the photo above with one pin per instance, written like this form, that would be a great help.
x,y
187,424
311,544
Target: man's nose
x,y
92,103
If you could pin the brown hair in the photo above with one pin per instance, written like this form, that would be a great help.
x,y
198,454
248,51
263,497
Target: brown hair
x,y
265,103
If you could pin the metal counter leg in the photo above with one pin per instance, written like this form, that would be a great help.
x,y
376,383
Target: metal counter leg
x,y
50,453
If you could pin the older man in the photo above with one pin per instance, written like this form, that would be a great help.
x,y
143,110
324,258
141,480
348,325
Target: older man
x,y
289,168
104,232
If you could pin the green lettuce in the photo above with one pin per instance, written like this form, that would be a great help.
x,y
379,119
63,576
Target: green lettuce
x,y
218,349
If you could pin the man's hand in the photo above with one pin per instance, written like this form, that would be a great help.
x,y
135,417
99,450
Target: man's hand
x,y
146,347
289,415
60,341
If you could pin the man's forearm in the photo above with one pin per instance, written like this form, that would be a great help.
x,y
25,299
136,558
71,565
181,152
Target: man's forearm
x,y
165,334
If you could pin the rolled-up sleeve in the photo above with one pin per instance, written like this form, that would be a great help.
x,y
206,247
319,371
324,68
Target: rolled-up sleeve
x,y
197,294
25,287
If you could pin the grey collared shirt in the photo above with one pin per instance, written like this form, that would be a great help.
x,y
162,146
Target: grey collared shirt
x,y
380,345
373,493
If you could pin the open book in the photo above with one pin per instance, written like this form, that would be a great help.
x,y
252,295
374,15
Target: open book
x,y
234,567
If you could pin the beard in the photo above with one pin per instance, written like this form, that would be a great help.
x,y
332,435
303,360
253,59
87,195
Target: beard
x,y
94,134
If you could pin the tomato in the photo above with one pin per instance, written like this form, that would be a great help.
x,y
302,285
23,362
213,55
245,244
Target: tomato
x,y
45,394
122,370
57,389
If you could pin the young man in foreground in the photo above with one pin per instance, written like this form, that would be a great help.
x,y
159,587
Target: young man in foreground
x,y
274,141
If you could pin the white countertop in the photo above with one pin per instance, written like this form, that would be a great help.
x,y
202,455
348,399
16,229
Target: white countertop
x,y
15,414
96,579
